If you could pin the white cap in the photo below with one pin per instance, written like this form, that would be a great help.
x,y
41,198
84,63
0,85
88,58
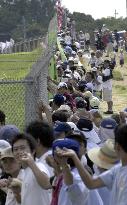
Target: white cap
x,y
62,84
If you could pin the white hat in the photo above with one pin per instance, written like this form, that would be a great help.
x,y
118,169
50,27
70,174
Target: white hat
x,y
65,107
68,71
95,102
80,51
104,157
73,126
61,85
71,59
77,75
73,53
6,153
94,69
88,94
86,126
4,144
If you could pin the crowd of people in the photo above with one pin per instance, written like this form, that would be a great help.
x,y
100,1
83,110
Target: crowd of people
x,y
72,154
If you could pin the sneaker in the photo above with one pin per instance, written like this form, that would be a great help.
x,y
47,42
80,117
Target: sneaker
x,y
108,112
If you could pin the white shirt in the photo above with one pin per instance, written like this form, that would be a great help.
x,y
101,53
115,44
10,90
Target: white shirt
x,y
68,40
31,192
42,159
98,62
10,199
115,180
87,36
107,84
98,87
75,194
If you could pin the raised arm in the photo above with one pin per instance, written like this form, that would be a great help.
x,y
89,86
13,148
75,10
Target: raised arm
x,y
88,180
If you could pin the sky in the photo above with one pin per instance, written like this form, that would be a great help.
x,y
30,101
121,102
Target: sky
x,y
97,8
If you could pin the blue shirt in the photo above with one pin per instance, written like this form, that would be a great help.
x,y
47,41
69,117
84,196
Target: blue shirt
x,y
115,179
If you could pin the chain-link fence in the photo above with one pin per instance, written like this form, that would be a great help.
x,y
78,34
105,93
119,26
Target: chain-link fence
x,y
19,98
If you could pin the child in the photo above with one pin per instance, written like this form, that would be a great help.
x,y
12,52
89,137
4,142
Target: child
x,y
121,58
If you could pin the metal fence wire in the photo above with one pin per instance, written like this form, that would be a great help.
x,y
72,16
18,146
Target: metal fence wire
x,y
19,97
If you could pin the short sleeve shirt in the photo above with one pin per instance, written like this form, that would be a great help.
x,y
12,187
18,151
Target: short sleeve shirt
x,y
115,179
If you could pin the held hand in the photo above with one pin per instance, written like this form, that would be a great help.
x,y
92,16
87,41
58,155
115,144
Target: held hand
x,y
66,152
27,159
15,185
4,183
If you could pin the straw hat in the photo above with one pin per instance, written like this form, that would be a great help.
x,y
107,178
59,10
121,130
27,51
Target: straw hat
x,y
104,157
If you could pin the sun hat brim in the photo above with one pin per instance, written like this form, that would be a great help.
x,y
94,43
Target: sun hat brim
x,y
100,159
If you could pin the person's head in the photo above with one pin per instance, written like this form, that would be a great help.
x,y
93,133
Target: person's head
x,y
7,132
58,100
94,103
82,87
80,103
62,88
106,130
92,54
23,143
116,117
104,157
61,130
65,143
89,76
42,133
121,140
98,54
2,118
9,163
60,115
80,138
106,63
71,62
97,118
121,50
80,53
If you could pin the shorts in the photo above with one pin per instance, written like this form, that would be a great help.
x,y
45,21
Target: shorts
x,y
107,95
122,62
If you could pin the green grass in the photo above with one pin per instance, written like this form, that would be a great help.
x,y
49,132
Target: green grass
x,y
12,96
18,65
117,75
12,102
120,89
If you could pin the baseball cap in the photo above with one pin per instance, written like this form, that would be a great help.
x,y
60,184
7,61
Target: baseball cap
x,y
73,126
95,102
6,153
58,99
4,144
66,143
94,69
86,126
65,108
71,59
61,85
62,127
88,94
7,132
108,123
